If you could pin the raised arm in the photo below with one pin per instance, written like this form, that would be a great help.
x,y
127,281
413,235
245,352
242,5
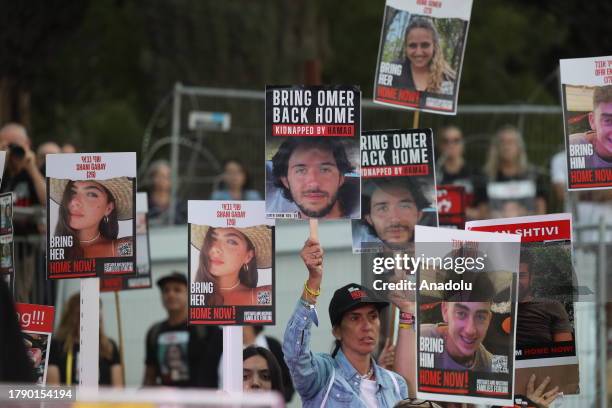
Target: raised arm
x,y
310,373
405,350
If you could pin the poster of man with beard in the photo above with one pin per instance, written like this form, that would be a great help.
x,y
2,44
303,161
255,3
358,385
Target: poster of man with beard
x,y
312,151
398,189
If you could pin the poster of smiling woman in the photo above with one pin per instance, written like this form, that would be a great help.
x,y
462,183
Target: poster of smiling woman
x,y
91,215
421,53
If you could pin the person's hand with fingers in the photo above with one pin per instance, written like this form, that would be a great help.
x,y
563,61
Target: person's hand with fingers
x,y
386,359
312,255
402,300
538,396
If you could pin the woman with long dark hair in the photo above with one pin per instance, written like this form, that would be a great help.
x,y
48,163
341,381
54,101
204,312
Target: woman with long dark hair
x,y
235,183
260,370
89,215
65,348
229,259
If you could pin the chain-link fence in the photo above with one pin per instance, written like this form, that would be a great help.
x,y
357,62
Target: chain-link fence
x,y
199,153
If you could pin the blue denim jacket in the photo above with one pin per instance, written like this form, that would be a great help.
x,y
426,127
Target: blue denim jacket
x,y
312,373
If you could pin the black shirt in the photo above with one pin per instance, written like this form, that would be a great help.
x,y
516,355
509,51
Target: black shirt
x,y
470,178
184,356
58,357
537,322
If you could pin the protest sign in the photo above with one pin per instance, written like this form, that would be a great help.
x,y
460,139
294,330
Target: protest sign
x,y
451,206
466,294
513,198
420,55
36,322
231,263
312,151
586,91
2,161
91,215
142,280
398,191
545,337
7,258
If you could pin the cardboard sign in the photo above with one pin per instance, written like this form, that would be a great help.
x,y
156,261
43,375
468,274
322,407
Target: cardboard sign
x,y
546,336
142,280
36,323
586,90
451,206
91,221
466,309
420,55
312,151
398,189
231,263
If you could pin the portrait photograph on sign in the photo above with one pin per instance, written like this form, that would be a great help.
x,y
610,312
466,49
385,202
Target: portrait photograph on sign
x,y
421,54
231,263
142,280
91,215
36,322
466,314
312,151
398,189
586,88
545,331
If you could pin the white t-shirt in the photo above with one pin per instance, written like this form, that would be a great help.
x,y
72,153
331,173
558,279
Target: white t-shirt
x,y
367,389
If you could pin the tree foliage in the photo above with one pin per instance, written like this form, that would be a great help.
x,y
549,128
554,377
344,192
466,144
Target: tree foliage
x,y
67,65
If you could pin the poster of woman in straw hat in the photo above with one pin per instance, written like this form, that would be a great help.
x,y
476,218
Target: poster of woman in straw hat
x,y
231,263
91,215
142,279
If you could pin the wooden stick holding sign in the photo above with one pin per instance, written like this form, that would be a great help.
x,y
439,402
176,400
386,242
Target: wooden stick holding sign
x,y
314,229
415,119
120,332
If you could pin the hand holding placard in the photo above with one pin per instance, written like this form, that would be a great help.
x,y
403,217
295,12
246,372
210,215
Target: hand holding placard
x,y
312,255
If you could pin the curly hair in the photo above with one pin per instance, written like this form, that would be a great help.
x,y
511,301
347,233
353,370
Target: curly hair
x,y
438,67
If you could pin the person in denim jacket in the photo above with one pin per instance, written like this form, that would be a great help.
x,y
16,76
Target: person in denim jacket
x,y
349,377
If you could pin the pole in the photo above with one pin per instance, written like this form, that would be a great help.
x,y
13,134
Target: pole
x,y
174,150
601,312
232,359
89,338
314,229
121,345
415,119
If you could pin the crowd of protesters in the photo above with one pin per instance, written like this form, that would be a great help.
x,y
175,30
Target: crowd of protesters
x,y
505,183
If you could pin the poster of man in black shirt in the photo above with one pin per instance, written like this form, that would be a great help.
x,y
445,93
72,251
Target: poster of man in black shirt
x,y
545,335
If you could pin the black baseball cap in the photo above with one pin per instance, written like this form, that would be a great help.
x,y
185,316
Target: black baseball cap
x,y
175,276
350,297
